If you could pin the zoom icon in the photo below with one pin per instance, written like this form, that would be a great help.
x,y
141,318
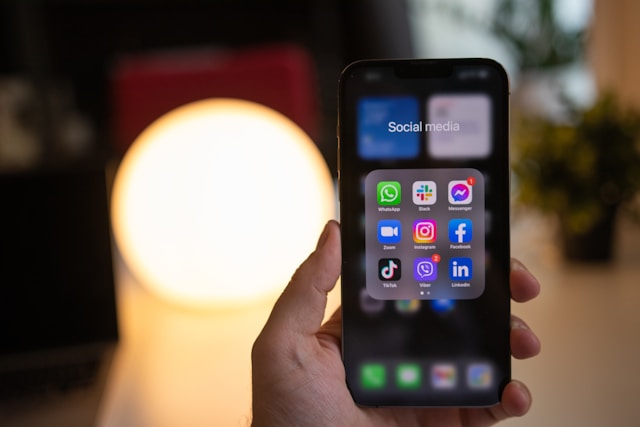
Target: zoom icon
x,y
389,231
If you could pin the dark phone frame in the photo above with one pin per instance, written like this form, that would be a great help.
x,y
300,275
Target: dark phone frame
x,y
493,307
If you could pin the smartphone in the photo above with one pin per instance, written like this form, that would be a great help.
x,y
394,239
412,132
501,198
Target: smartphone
x,y
424,208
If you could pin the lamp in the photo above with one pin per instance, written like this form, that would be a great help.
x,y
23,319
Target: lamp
x,y
218,201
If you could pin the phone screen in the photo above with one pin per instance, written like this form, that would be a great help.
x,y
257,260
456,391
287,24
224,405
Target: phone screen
x,y
424,207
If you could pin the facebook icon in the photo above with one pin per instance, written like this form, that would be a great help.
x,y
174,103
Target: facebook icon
x,y
460,231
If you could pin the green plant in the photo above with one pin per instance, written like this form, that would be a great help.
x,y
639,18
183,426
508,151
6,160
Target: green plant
x,y
530,30
582,169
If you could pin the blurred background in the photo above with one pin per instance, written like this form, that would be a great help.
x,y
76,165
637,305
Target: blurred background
x,y
80,81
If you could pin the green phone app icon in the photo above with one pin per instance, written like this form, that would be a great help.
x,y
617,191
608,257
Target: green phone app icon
x,y
388,193
373,376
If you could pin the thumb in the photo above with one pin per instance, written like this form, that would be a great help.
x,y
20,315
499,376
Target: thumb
x,y
300,309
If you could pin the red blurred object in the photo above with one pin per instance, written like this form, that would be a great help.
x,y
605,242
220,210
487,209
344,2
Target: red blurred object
x,y
148,86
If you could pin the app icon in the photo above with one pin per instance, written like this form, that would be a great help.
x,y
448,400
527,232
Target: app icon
x,y
472,112
370,305
479,376
460,192
373,376
424,231
388,193
407,306
408,376
425,270
389,231
460,268
375,138
424,192
460,230
444,376
389,269
443,305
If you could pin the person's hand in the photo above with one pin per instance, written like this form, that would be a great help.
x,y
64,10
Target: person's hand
x,y
298,375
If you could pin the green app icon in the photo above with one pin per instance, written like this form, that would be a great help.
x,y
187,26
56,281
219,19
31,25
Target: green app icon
x,y
408,376
373,376
388,193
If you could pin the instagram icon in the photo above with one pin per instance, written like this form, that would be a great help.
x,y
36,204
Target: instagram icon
x,y
424,231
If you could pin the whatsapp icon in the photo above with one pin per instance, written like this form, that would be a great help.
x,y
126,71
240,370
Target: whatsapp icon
x,y
388,193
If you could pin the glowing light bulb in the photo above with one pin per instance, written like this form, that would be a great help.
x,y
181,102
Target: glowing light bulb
x,y
218,201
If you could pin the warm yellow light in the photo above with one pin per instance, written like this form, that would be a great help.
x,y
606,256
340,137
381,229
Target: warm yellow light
x,y
218,201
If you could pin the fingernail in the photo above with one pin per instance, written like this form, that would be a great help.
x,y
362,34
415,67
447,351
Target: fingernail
x,y
518,324
517,265
323,236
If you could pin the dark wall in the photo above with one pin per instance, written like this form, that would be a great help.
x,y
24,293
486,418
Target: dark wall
x,y
74,42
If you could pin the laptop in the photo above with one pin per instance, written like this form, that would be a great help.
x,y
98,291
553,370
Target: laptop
x,y
58,320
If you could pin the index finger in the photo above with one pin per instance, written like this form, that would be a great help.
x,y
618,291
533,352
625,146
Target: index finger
x,y
524,286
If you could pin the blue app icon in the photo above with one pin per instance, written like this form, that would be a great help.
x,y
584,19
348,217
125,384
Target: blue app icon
x,y
388,127
460,269
389,231
460,230
443,305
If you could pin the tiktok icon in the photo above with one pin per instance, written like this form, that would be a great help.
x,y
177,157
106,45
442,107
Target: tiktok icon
x,y
389,269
